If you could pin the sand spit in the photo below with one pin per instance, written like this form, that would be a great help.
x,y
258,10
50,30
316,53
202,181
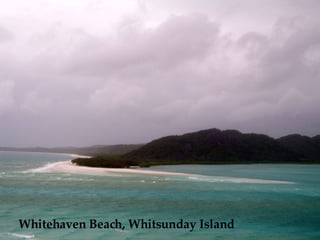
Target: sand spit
x,y
69,167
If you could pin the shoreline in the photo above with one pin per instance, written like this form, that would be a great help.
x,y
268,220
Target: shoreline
x,y
75,155
69,167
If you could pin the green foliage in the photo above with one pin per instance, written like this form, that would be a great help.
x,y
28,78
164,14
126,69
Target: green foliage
x,y
214,146
306,148
110,161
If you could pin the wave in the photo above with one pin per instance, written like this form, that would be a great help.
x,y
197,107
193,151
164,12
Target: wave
x,y
49,167
235,180
54,166
23,236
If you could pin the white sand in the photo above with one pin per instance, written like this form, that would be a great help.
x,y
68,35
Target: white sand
x,y
235,180
78,155
68,167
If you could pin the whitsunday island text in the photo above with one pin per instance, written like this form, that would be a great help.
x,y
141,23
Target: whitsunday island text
x,y
129,223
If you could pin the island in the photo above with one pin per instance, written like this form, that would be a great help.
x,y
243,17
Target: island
x,y
213,146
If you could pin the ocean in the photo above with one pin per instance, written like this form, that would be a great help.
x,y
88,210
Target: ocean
x,y
220,202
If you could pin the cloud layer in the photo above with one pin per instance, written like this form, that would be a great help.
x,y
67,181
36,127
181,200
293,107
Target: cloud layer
x,y
87,77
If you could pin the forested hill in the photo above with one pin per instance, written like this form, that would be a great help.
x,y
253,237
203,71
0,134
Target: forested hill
x,y
215,146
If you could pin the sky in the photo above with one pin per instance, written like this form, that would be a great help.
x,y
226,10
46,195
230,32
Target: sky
x,y
87,72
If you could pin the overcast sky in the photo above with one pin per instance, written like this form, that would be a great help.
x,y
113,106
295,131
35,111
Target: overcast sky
x,y
85,72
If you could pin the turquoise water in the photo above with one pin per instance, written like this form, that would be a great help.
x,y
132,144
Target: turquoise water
x,y
260,210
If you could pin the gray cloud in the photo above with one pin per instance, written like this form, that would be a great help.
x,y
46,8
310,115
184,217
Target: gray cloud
x,y
64,84
177,40
5,35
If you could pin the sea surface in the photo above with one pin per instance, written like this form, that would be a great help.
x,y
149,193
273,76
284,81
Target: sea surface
x,y
287,208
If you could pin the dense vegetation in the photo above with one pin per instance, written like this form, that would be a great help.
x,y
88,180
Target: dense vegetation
x,y
214,146
110,161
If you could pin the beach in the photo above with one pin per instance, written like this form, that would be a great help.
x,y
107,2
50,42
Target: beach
x,y
69,167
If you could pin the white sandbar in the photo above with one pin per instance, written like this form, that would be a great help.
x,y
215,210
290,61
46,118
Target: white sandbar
x,y
68,167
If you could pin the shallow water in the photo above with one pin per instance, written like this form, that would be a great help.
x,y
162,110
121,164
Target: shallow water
x,y
288,208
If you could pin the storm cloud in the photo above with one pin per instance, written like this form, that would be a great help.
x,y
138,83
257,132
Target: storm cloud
x,y
91,72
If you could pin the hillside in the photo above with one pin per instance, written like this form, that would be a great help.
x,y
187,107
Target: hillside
x,y
214,146
305,148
